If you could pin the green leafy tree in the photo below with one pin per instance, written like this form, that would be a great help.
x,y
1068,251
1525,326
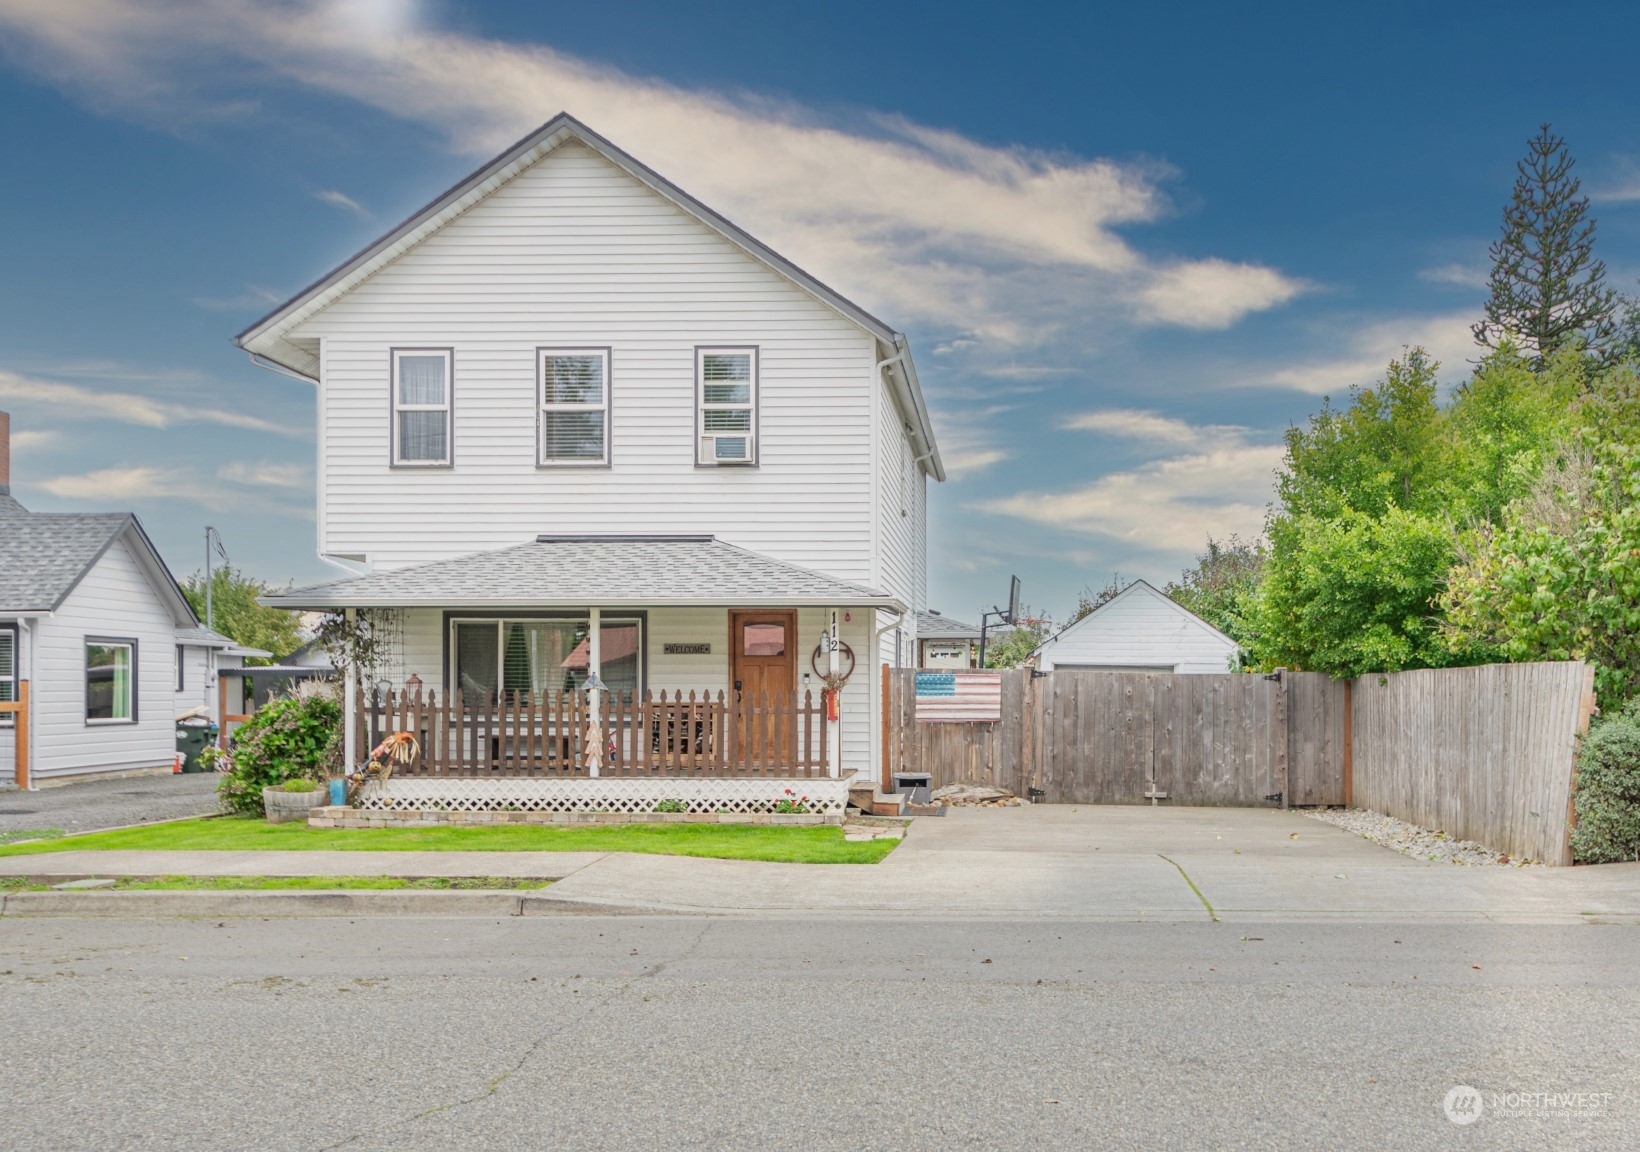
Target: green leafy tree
x,y
237,615
1009,648
1559,579
1223,586
1505,423
1548,289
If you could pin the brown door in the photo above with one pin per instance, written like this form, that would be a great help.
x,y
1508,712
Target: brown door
x,y
763,676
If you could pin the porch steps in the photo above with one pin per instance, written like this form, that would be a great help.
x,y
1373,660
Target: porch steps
x,y
873,802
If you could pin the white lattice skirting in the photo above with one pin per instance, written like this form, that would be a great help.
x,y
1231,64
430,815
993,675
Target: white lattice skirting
x,y
827,796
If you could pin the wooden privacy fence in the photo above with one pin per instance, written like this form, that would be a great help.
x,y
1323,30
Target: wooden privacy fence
x,y
543,734
18,711
1481,753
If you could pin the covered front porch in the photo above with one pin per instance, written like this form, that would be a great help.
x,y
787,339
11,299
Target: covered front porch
x,y
588,674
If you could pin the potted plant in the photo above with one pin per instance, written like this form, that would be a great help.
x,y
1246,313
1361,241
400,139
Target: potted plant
x,y
293,800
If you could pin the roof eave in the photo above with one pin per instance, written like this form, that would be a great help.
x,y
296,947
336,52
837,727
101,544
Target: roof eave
x,y
330,602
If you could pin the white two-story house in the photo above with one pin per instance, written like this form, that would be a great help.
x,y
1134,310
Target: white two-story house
x,y
575,428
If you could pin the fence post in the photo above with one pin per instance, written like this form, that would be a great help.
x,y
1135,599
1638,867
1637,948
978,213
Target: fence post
x,y
20,731
885,774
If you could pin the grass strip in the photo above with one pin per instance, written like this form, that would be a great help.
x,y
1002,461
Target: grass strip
x,y
293,883
13,835
778,843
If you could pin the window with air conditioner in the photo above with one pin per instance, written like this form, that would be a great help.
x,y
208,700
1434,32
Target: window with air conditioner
x,y
726,393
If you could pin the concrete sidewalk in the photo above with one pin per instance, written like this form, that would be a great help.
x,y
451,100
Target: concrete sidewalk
x,y
1091,863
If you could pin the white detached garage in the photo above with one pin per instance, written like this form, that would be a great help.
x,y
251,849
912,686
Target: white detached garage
x,y
1139,630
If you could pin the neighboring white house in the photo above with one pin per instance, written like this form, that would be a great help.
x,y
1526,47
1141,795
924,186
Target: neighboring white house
x,y
1139,630
945,643
94,622
574,423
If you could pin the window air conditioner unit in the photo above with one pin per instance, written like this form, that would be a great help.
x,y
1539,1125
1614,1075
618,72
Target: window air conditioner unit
x,y
727,449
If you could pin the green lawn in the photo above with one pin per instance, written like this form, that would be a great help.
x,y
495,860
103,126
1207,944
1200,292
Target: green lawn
x,y
821,845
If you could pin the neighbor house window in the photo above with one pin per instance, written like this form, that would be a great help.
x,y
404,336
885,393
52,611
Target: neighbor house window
x,y
543,655
573,423
421,406
726,394
8,672
182,664
110,681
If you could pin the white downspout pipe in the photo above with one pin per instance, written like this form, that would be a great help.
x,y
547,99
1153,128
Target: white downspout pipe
x,y
595,698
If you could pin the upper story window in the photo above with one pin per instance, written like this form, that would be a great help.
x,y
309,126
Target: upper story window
x,y
110,681
421,406
573,421
726,394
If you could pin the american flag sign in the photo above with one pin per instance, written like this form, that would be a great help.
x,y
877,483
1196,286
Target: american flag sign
x,y
959,697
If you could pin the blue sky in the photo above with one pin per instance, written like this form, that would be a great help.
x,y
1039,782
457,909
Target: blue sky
x,y
1131,244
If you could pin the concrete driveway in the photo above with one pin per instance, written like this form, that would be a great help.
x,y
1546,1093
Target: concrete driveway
x,y
1125,863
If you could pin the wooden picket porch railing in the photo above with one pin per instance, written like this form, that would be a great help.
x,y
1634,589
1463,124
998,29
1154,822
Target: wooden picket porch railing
x,y
543,734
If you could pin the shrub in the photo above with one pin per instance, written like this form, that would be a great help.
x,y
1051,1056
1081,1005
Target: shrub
x,y
290,739
671,806
301,785
1608,791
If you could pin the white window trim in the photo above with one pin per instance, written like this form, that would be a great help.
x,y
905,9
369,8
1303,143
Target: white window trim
x,y
13,633
452,674
109,642
542,407
448,407
701,407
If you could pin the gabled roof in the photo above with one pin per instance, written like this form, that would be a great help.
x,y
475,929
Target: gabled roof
x,y
267,337
45,555
579,571
933,626
1138,587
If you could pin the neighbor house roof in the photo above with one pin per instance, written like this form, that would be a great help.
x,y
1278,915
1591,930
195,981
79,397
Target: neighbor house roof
x,y
933,626
268,337
1135,588
45,555
202,637
608,571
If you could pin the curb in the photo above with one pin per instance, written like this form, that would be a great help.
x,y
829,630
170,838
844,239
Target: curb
x,y
291,904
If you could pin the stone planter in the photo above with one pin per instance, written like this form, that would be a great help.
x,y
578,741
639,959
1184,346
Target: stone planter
x,y
282,807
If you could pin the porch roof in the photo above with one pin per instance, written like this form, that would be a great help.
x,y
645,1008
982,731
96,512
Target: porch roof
x,y
606,571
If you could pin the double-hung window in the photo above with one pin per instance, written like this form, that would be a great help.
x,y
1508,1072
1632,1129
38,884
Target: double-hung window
x,y
572,423
8,672
110,680
421,406
726,402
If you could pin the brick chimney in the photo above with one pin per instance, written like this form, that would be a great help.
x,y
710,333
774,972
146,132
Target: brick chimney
x,y
5,453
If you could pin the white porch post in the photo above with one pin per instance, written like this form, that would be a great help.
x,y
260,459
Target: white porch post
x,y
350,714
834,750
595,668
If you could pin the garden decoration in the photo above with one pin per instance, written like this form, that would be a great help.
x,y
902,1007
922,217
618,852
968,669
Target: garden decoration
x,y
398,748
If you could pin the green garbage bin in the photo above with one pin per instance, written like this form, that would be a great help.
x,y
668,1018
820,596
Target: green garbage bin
x,y
192,739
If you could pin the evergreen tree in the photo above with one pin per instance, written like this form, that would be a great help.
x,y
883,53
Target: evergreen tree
x,y
1547,288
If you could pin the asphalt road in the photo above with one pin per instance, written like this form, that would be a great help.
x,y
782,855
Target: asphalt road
x,y
692,1032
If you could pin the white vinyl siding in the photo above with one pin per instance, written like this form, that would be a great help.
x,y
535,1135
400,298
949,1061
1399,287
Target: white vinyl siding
x,y
1141,628
573,253
423,385
726,405
573,421
115,599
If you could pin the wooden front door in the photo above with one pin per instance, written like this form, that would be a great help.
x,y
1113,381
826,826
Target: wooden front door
x,y
763,677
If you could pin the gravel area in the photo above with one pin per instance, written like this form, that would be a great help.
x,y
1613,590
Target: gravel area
x,y
1411,840
109,803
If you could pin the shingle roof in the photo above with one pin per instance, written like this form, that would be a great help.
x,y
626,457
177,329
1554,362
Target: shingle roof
x,y
203,637
43,555
573,572
9,505
933,626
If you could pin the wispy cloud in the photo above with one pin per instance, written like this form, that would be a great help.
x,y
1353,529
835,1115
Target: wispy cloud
x,y
85,402
1150,427
343,201
267,475
1457,274
1622,185
127,486
1369,350
1007,245
28,439
251,299
1172,504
